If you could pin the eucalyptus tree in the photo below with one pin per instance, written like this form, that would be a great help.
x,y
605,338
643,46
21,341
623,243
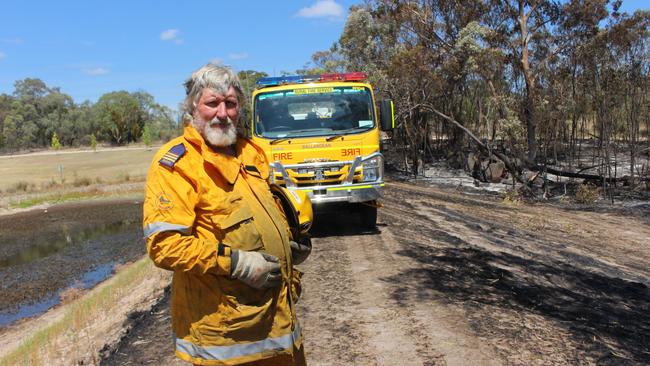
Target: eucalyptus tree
x,y
121,117
517,75
248,78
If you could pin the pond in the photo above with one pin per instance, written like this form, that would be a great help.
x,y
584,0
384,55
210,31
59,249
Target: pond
x,y
43,253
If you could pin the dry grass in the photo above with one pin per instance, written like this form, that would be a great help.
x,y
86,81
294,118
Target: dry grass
x,y
20,186
41,171
587,194
511,197
82,182
69,295
101,191
34,179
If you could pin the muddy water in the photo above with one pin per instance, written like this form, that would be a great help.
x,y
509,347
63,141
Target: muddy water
x,y
45,252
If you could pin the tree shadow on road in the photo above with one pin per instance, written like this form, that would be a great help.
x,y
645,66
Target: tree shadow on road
x,y
608,316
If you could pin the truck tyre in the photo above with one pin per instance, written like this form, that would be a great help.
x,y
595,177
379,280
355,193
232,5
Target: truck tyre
x,y
367,215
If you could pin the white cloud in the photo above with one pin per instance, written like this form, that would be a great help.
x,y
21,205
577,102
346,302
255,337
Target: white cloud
x,y
2,55
95,71
171,35
237,56
322,9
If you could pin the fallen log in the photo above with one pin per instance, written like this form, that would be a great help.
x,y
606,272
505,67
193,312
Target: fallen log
x,y
512,169
509,165
593,177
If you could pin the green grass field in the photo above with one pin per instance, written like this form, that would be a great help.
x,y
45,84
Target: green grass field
x,y
37,171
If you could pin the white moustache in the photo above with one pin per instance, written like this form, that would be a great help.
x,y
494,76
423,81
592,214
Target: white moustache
x,y
223,124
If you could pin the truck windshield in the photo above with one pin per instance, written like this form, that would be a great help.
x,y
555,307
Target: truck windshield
x,y
318,111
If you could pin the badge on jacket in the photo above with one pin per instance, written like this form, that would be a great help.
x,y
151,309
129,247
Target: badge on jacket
x,y
172,156
164,203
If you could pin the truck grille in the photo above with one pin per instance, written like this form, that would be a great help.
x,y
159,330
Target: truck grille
x,y
313,176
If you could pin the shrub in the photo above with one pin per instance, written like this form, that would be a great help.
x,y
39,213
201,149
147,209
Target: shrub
x,y
22,186
512,197
83,181
146,135
587,194
123,177
56,144
49,184
93,142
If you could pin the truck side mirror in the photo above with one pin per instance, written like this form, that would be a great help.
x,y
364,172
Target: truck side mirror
x,y
386,115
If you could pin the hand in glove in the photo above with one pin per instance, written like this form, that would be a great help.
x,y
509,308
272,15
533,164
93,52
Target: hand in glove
x,y
300,251
256,269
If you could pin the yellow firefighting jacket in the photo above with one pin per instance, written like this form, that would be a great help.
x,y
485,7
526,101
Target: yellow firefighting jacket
x,y
199,205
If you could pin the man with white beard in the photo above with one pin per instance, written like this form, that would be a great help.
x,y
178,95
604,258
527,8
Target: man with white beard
x,y
210,217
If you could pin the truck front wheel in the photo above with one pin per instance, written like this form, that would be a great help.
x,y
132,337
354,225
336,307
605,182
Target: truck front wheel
x,y
368,215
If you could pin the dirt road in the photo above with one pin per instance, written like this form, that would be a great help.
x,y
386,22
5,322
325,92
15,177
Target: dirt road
x,y
457,279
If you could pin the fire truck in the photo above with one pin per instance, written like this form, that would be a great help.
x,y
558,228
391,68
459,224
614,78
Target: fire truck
x,y
321,135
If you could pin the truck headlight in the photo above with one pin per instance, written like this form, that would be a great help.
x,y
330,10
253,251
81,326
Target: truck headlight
x,y
371,169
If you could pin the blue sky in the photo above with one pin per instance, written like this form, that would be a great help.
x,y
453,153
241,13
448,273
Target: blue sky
x,y
88,48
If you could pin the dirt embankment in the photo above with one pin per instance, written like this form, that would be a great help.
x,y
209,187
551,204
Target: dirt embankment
x,y
458,279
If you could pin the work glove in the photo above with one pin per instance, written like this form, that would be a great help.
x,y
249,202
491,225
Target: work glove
x,y
256,269
300,251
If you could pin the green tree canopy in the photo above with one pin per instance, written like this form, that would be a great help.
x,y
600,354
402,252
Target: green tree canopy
x,y
35,112
121,117
248,78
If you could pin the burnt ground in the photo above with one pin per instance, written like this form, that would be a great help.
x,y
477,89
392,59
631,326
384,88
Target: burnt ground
x,y
449,278
452,278
147,340
45,251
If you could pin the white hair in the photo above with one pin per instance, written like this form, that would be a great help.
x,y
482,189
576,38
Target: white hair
x,y
212,76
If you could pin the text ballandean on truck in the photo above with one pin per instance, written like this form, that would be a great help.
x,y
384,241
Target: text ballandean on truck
x,y
321,134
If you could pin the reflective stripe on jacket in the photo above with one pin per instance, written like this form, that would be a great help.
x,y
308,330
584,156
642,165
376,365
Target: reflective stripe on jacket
x,y
195,200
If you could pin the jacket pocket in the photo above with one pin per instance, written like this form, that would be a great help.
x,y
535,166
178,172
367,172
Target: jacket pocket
x,y
237,229
253,320
244,314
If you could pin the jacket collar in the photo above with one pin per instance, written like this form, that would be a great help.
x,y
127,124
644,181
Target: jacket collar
x,y
228,166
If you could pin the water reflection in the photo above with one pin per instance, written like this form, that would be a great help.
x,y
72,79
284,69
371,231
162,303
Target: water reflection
x,y
45,246
87,280
29,310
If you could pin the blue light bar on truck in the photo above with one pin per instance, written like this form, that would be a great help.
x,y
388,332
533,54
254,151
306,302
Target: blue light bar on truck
x,y
299,79
288,79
